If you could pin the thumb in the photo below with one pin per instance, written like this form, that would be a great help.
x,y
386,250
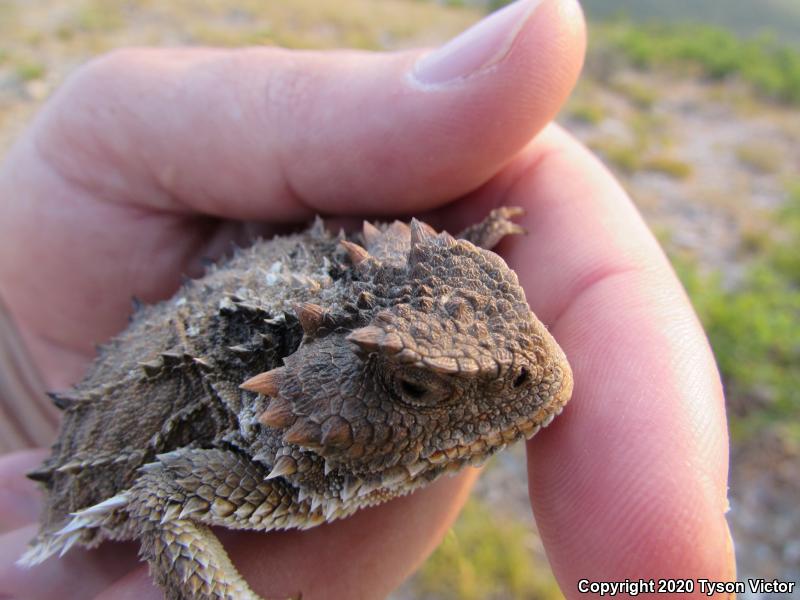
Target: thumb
x,y
269,133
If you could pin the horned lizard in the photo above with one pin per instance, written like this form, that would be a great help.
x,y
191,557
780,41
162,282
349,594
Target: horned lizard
x,y
303,379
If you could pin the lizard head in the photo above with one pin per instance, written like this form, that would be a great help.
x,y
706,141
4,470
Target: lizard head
x,y
438,364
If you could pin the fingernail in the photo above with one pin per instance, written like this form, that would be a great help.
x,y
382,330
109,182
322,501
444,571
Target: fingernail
x,y
484,44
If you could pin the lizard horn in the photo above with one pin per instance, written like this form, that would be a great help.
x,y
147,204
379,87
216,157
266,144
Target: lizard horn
x,y
356,253
446,239
310,316
370,233
303,433
285,465
336,432
421,232
278,415
371,338
267,383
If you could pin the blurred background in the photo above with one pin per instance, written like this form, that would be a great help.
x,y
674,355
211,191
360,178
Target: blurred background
x,y
692,103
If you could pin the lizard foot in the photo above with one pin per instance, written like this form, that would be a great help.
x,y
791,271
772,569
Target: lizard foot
x,y
488,233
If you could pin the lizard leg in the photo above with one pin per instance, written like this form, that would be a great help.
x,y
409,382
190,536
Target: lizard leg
x,y
488,233
180,496
189,562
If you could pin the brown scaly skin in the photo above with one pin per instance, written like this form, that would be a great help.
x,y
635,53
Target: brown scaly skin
x,y
307,377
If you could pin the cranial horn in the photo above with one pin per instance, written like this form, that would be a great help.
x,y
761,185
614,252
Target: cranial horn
x,y
372,338
441,364
317,229
310,316
267,383
421,232
399,230
367,337
370,233
446,238
356,253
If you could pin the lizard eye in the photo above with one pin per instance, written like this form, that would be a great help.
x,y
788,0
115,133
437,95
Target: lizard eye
x,y
418,387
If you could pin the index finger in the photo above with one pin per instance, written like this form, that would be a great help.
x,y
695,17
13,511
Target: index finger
x,y
631,481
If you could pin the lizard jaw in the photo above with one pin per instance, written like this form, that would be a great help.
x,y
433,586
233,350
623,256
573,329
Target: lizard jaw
x,y
455,458
481,450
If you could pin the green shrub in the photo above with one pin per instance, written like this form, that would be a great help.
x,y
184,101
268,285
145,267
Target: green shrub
x,y
754,329
627,158
674,167
28,71
771,67
640,95
784,251
485,556
586,112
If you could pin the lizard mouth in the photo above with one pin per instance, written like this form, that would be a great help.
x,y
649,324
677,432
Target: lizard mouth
x,y
477,452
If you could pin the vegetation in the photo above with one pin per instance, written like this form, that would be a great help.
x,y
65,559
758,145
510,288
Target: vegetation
x,y
744,17
29,70
770,66
486,556
641,96
625,157
668,165
643,153
754,329
590,113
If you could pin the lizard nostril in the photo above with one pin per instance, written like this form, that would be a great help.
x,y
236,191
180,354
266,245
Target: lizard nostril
x,y
523,376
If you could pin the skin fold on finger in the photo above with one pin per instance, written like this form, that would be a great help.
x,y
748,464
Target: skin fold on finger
x,y
631,481
20,500
128,153
80,574
362,557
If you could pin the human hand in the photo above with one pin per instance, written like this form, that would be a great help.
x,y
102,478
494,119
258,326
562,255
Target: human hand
x,y
147,161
